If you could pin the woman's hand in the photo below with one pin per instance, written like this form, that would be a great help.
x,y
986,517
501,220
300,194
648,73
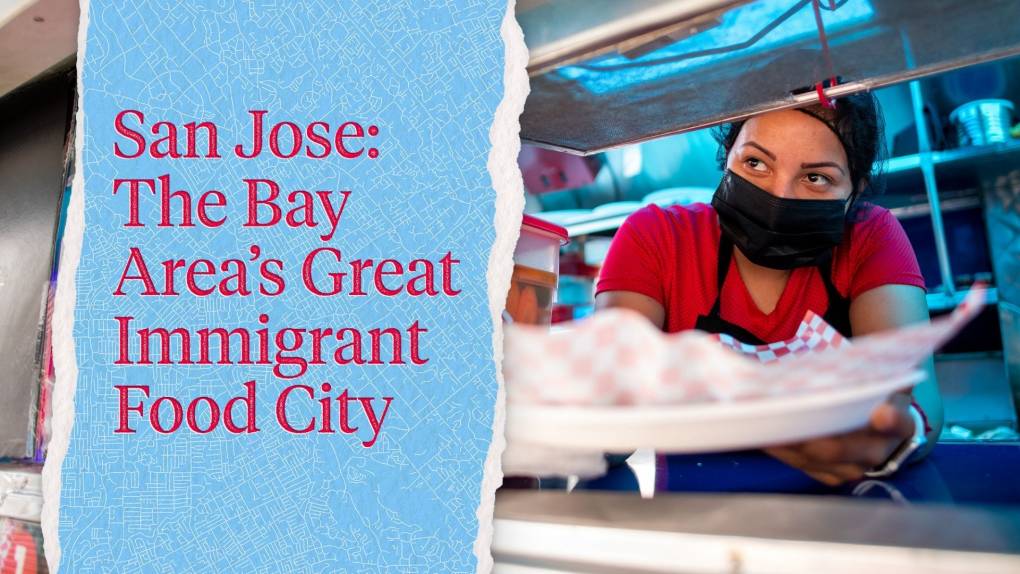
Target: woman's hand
x,y
844,458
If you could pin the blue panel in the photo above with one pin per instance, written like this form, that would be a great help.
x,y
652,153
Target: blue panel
x,y
736,27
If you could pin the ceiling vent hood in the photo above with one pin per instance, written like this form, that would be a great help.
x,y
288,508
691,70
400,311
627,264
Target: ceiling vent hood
x,y
607,73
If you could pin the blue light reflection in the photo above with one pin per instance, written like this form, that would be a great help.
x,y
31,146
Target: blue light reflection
x,y
736,26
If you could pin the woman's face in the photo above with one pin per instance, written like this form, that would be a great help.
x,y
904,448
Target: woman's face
x,y
791,155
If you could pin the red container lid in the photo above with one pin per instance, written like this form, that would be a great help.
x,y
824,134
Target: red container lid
x,y
541,225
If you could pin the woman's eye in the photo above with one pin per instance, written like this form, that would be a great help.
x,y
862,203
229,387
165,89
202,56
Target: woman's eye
x,y
818,179
755,164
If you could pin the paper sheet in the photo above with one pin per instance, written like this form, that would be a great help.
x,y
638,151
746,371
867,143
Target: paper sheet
x,y
617,357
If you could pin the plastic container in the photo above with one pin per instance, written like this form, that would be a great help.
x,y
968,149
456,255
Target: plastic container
x,y
982,122
536,272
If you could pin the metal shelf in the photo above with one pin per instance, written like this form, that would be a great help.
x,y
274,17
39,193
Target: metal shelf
x,y
947,205
906,163
597,223
942,301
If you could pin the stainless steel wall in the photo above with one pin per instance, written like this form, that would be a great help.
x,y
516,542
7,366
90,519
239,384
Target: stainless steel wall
x,y
33,125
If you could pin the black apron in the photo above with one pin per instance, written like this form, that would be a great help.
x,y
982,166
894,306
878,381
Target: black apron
x,y
837,315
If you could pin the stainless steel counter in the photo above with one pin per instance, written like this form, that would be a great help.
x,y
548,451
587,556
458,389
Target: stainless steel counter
x,y
596,532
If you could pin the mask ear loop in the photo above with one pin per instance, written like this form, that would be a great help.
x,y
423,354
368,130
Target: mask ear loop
x,y
850,204
833,81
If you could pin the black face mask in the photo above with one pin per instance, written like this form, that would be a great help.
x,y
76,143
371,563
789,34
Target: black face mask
x,y
776,232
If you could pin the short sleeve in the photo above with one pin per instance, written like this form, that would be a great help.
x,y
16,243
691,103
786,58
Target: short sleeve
x,y
635,258
883,255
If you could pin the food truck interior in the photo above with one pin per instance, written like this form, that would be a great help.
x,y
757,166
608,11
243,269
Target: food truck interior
x,y
624,94
951,177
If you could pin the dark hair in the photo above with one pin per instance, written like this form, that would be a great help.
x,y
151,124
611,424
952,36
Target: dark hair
x,y
857,122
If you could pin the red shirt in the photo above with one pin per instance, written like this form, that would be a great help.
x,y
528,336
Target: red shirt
x,y
670,255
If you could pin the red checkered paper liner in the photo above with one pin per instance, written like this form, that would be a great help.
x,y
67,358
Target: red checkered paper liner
x,y
617,357
813,334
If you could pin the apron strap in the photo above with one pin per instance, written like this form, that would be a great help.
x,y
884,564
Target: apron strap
x,y
825,270
713,323
838,313
722,267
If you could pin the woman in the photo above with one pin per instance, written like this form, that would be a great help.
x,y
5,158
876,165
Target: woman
x,y
788,231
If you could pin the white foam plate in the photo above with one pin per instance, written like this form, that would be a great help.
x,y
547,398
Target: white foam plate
x,y
703,427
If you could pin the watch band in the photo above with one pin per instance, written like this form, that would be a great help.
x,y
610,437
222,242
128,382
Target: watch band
x,y
908,448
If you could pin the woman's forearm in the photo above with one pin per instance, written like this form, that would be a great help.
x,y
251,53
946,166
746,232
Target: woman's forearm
x,y
927,396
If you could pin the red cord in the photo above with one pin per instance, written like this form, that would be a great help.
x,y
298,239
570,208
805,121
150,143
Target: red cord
x,y
823,98
825,52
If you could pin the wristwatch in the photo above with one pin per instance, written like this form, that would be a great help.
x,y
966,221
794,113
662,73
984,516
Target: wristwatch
x,y
905,451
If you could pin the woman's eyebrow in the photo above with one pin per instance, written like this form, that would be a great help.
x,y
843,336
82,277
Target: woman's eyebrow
x,y
823,164
771,155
